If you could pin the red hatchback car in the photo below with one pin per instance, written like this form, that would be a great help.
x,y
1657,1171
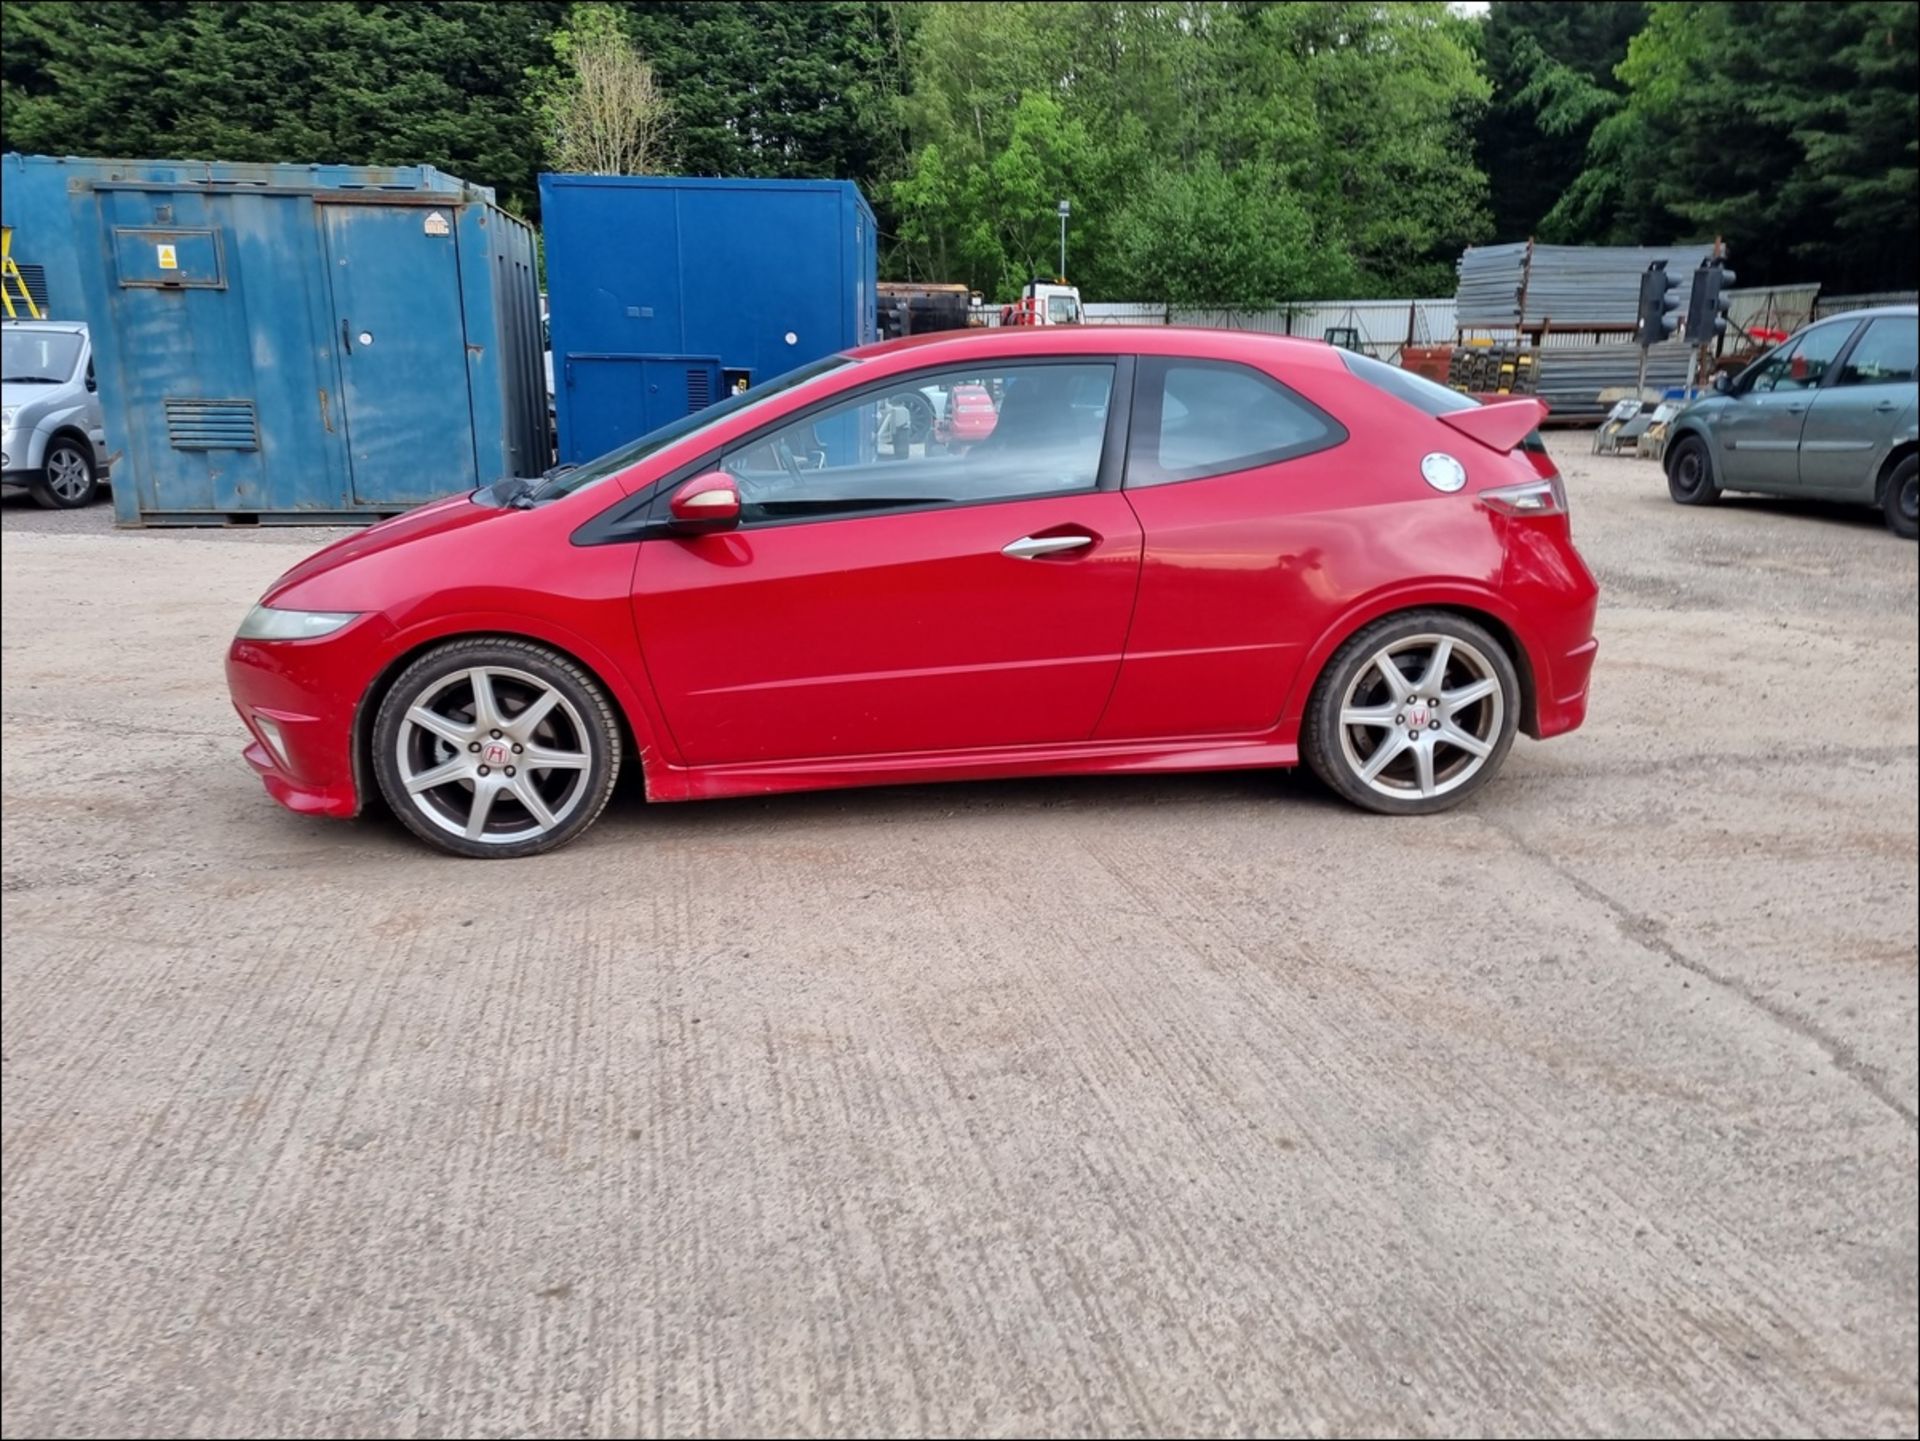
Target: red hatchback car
x,y
1176,550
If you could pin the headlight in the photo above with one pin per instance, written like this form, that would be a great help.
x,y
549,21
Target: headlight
x,y
263,622
6,417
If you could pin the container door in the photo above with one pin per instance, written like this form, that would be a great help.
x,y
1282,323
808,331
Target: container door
x,y
401,332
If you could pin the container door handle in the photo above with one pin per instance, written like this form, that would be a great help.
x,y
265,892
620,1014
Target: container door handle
x,y
346,336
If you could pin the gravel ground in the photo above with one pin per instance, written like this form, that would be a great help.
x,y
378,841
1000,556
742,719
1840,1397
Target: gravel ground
x,y
1143,1106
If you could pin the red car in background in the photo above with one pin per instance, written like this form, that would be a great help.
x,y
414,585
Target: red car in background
x,y
968,418
1174,550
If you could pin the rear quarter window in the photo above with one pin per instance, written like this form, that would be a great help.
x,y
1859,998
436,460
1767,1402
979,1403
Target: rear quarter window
x,y
1199,418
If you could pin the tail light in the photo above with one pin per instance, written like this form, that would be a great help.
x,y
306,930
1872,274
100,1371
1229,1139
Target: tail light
x,y
1547,496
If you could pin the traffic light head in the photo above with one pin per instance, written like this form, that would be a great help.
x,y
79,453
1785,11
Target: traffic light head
x,y
1659,312
1707,308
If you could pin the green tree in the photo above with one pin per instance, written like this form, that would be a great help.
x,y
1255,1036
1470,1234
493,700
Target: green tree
x,y
599,108
1791,129
1227,152
1551,65
771,89
439,82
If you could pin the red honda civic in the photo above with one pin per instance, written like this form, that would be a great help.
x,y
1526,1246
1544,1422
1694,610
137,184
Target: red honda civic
x,y
1174,550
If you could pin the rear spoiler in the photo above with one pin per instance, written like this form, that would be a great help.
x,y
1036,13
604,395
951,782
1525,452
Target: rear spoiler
x,y
1500,426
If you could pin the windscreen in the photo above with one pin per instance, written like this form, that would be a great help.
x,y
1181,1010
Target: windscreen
x,y
38,357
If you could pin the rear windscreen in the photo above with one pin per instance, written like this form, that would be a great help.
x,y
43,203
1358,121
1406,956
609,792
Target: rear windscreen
x,y
1416,390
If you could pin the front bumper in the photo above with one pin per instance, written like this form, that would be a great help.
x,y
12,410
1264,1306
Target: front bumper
x,y
16,454
306,693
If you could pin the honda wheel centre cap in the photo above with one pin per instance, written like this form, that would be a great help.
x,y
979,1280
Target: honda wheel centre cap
x,y
495,753
1418,718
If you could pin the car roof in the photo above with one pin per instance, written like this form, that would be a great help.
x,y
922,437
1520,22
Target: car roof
x,y
1871,312
65,327
963,346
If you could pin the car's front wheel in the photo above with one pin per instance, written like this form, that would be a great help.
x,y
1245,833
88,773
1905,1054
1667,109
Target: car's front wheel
x,y
67,481
496,748
1414,714
1690,472
1902,501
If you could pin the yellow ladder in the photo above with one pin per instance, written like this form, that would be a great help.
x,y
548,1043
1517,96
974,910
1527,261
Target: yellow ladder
x,y
10,277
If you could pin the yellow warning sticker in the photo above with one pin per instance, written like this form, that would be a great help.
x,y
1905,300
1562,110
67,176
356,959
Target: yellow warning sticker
x,y
168,259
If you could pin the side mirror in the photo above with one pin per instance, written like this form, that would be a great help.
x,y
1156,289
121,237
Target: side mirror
x,y
1722,383
706,503
91,383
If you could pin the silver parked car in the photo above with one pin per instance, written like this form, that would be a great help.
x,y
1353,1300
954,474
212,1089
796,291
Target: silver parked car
x,y
1831,413
55,436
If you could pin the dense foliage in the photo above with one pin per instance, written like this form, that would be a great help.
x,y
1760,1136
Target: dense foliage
x,y
1222,151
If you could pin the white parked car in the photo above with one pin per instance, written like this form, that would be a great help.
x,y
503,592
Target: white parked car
x,y
55,438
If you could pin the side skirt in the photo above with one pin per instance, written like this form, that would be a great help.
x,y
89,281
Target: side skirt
x,y
1206,753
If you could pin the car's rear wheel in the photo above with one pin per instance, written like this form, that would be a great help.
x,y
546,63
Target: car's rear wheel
x,y
67,481
1414,714
1690,472
1902,500
496,748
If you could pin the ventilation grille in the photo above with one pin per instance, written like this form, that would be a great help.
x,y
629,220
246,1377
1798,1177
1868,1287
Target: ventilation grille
x,y
35,279
212,425
699,390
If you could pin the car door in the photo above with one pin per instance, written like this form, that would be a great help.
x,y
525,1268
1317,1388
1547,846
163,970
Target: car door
x,y
1759,433
888,594
1853,417
1229,472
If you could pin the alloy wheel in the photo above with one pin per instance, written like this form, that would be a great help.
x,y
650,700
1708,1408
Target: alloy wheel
x,y
68,474
494,755
1421,717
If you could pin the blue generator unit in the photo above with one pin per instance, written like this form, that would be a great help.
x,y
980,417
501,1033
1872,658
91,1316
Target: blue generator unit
x,y
33,205
274,352
665,293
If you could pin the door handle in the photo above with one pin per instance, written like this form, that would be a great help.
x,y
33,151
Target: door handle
x,y
1032,547
346,336
1795,409
1884,406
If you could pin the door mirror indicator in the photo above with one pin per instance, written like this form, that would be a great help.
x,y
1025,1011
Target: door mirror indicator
x,y
706,503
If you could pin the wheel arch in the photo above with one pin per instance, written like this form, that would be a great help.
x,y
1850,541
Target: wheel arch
x,y
1686,430
67,430
1902,449
635,729
1480,607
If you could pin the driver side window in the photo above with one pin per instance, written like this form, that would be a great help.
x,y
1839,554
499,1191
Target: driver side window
x,y
1800,363
959,436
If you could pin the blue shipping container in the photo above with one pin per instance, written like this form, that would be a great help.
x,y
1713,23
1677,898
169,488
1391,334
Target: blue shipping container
x,y
666,293
286,353
33,204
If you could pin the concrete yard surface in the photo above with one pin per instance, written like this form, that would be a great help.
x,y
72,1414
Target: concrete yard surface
x,y
1146,1106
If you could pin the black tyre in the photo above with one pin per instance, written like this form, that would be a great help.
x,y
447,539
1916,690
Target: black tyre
x,y
1413,714
67,481
1902,500
1690,472
496,748
920,410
